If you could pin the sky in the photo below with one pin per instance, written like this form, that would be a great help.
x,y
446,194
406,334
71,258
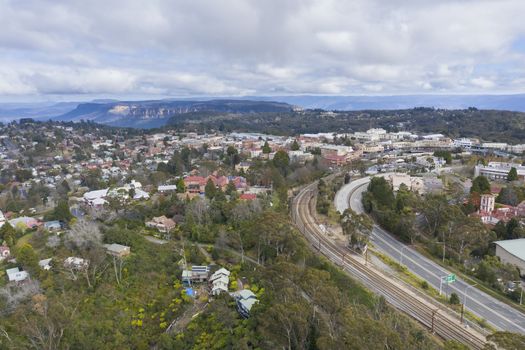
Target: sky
x,y
77,49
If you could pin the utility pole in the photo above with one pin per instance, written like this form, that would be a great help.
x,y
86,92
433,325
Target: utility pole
x,y
465,300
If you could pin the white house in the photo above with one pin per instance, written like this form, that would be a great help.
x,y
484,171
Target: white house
x,y
45,264
76,263
219,281
16,275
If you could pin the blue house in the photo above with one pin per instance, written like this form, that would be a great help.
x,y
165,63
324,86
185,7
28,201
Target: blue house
x,y
54,225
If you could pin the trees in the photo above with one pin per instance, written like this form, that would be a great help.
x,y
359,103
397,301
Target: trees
x,y
507,340
379,192
508,195
266,148
437,212
295,146
83,235
357,227
454,299
491,268
480,185
514,230
181,186
61,212
232,156
210,190
446,155
323,198
469,235
131,193
8,234
27,257
281,161
512,175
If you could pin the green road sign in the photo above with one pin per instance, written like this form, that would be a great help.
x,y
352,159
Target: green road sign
x,y
451,278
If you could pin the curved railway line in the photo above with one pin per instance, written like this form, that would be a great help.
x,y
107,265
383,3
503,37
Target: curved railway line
x,y
416,306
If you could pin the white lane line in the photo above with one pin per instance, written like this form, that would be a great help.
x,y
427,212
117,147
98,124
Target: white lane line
x,y
487,297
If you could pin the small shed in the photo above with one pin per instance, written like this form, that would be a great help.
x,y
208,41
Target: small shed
x,y
117,250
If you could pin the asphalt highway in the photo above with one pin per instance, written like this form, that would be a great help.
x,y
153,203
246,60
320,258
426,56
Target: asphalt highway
x,y
498,314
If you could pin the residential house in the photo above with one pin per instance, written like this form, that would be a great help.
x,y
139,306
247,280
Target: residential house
x,y
96,199
245,299
5,252
45,264
75,263
167,188
248,196
197,274
16,275
195,184
161,224
54,225
219,281
117,250
24,222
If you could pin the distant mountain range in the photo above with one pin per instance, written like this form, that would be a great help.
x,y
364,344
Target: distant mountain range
x,y
353,103
156,113
43,110
150,114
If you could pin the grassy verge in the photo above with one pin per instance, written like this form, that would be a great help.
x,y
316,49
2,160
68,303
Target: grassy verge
x,y
422,285
472,280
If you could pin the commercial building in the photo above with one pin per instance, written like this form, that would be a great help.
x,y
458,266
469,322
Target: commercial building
x,y
498,170
512,251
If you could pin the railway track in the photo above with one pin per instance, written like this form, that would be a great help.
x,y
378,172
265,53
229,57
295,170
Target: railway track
x,y
425,312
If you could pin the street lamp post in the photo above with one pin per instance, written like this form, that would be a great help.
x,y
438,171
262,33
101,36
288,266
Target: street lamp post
x,y
465,300
441,283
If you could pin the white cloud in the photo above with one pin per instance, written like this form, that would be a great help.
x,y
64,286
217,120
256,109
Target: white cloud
x,y
235,47
482,82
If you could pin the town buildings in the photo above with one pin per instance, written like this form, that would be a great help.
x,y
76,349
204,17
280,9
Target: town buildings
x,y
498,170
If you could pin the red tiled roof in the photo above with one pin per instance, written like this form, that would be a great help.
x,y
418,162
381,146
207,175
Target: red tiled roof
x,y
248,196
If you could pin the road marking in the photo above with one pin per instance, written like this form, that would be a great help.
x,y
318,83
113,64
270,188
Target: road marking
x,y
353,190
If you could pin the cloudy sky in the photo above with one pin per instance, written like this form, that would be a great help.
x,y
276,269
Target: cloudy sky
x,y
90,49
